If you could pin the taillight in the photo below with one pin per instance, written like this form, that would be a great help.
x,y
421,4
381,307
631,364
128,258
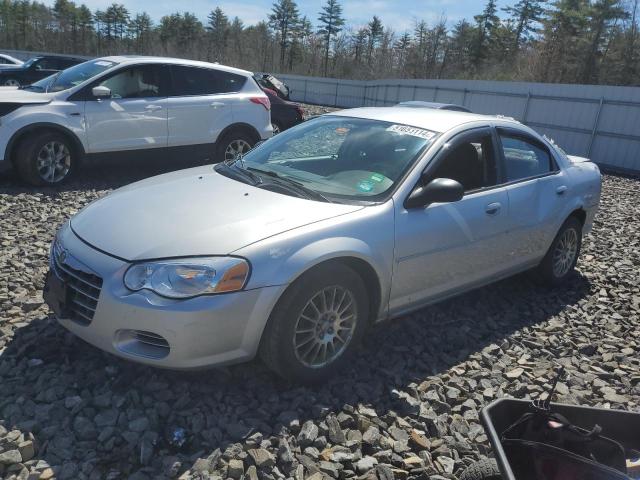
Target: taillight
x,y
264,101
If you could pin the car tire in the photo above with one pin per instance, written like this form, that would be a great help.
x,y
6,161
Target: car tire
x,y
45,158
561,258
485,469
302,342
233,143
11,82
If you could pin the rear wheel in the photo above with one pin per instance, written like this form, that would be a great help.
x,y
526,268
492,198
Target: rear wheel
x,y
562,256
45,158
317,323
11,82
232,145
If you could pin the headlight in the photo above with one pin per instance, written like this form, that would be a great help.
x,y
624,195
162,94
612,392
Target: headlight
x,y
188,277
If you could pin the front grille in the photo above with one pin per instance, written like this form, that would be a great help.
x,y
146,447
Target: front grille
x,y
84,288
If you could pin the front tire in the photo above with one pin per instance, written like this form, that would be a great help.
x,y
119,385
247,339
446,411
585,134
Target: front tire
x,y
11,82
45,158
317,324
233,144
562,256
486,469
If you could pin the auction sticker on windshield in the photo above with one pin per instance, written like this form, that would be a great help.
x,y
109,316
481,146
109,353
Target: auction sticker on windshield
x,y
413,131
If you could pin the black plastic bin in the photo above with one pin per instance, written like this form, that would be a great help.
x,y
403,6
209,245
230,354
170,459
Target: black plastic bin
x,y
620,425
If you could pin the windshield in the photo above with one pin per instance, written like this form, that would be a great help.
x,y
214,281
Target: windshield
x,y
71,76
342,157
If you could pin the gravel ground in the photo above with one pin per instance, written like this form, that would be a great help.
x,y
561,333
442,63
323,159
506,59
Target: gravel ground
x,y
406,409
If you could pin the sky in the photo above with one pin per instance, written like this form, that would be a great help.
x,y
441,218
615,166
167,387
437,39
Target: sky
x,y
398,14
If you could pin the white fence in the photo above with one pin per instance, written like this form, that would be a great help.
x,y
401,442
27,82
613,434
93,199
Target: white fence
x,y
594,121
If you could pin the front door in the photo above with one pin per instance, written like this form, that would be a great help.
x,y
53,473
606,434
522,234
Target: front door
x,y
134,117
448,247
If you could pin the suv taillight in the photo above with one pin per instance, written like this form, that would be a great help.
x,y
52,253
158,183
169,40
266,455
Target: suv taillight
x,y
264,101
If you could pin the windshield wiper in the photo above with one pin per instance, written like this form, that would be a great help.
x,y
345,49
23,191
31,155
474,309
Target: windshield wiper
x,y
292,184
240,173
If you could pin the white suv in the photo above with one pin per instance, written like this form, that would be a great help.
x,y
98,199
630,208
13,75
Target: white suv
x,y
129,106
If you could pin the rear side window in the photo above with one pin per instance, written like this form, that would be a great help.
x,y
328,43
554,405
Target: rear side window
x,y
204,81
524,158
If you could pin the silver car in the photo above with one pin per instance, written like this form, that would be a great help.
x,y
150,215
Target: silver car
x,y
295,249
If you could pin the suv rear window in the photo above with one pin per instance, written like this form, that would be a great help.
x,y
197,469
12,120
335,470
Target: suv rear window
x,y
204,81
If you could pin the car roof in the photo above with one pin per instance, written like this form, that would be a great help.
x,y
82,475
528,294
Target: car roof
x,y
428,118
136,59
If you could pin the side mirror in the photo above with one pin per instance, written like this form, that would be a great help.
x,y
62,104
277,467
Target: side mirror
x,y
438,190
101,92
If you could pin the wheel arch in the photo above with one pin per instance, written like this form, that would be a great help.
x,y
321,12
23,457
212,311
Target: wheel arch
x,y
42,126
241,127
363,268
579,213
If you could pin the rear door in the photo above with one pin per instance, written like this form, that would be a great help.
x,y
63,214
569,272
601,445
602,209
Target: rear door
x,y
447,247
537,191
135,117
200,104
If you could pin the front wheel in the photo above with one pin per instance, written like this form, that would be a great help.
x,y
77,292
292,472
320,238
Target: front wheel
x,y
233,145
46,158
314,328
562,256
11,82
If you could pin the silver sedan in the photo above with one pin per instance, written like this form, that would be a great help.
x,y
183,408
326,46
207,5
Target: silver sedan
x,y
295,249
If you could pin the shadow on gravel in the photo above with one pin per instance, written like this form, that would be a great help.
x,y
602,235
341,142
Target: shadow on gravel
x,y
92,412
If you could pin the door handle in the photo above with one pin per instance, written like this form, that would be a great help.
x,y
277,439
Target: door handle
x,y
561,189
151,108
493,208
216,104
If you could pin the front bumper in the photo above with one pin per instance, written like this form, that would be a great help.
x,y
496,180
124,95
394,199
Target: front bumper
x,y
5,166
177,334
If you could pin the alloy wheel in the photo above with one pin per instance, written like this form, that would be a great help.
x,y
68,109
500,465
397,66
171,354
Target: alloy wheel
x,y
53,161
276,128
12,82
565,252
235,149
325,327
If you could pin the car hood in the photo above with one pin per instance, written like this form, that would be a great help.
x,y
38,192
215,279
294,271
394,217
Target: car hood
x,y
15,95
192,212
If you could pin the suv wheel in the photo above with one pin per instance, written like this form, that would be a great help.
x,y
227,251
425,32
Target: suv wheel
x,y
11,82
276,128
562,256
232,145
317,323
46,158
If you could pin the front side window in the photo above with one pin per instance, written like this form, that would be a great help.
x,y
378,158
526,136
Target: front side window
x,y
524,158
341,157
136,82
47,64
470,161
204,81
72,77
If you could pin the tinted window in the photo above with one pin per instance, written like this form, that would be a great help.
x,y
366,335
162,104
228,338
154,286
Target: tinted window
x,y
3,61
204,81
137,82
523,158
471,162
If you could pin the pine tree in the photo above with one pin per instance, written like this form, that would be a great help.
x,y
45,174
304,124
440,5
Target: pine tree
x,y
487,24
375,31
218,28
525,14
331,24
283,20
